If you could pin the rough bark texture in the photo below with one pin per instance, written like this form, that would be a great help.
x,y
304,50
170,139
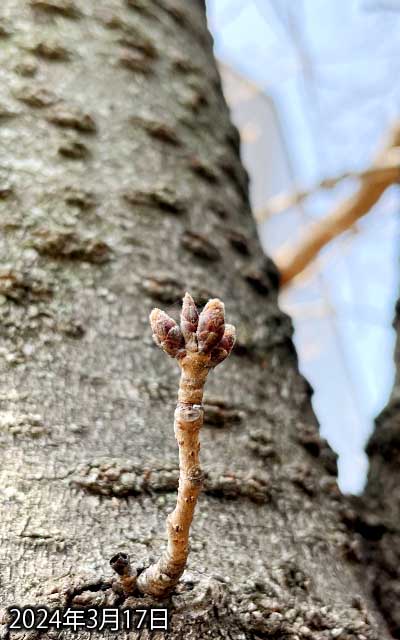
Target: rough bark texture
x,y
378,512
121,187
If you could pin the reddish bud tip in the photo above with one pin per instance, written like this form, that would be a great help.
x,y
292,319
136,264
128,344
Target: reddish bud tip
x,y
166,333
211,325
189,320
224,348
229,338
161,323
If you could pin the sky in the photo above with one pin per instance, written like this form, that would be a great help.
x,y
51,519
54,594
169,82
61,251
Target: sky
x,y
327,70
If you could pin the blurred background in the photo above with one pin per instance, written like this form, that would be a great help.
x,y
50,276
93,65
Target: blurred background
x,y
313,87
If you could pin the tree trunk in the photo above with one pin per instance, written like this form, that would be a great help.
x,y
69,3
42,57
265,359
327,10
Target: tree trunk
x,y
122,187
379,510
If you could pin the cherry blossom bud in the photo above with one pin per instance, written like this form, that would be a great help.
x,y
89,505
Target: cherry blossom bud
x,y
189,321
166,333
218,355
174,342
223,349
211,325
229,338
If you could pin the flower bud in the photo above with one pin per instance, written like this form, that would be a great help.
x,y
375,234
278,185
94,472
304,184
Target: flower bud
x,y
223,349
174,341
189,321
229,338
218,355
211,325
166,333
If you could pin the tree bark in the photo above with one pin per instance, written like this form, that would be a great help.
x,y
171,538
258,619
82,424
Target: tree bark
x,y
378,512
122,187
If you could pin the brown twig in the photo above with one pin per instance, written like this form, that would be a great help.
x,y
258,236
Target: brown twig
x,y
293,260
389,169
127,576
199,344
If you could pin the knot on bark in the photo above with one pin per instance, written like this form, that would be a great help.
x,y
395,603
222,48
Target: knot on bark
x,y
189,412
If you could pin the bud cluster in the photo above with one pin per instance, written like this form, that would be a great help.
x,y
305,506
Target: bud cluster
x,y
204,333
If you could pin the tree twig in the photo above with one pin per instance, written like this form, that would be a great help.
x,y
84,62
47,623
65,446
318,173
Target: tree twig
x,y
199,344
280,203
293,260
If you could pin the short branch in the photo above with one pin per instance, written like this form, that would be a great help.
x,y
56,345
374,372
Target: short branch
x,y
201,343
293,260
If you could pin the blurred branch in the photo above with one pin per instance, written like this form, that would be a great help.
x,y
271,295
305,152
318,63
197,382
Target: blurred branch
x,y
384,172
390,166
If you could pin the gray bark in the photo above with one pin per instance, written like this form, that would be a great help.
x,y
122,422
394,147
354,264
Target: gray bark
x,y
122,187
378,512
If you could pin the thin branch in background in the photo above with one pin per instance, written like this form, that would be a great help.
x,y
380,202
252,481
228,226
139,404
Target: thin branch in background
x,y
388,170
293,260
